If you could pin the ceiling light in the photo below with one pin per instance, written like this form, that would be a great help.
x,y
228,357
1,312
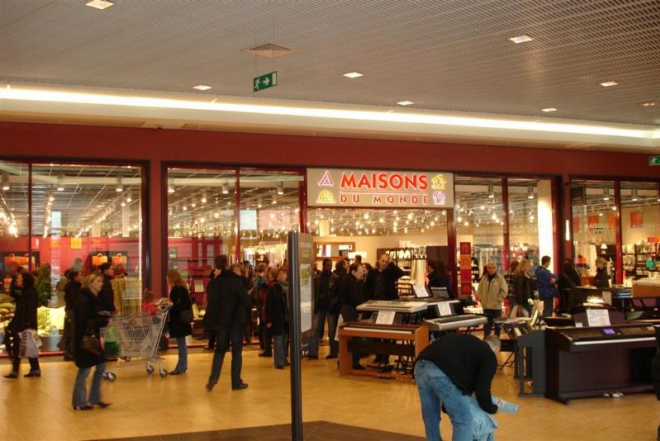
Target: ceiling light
x,y
648,104
634,195
120,186
51,196
204,198
549,109
530,192
225,189
129,197
521,39
170,185
280,188
99,4
60,182
606,194
202,87
609,84
491,191
5,182
352,75
405,103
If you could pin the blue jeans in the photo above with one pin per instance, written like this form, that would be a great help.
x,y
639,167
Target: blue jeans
x,y
79,398
280,348
436,389
317,330
182,347
224,336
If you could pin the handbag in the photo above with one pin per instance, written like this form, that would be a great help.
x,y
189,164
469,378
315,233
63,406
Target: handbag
x,y
187,315
91,343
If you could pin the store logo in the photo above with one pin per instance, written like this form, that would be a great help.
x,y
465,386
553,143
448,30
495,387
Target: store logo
x,y
439,183
326,197
439,198
326,180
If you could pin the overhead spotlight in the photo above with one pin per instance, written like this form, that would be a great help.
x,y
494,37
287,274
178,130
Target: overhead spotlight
x,y
259,203
120,185
170,186
530,192
60,182
634,195
5,182
225,188
204,198
491,191
280,188
99,4
606,194
51,195
129,196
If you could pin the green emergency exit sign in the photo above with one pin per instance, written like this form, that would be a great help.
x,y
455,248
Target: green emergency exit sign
x,y
654,160
265,81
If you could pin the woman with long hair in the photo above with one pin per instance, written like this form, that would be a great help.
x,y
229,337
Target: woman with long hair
x,y
89,317
179,327
523,287
25,317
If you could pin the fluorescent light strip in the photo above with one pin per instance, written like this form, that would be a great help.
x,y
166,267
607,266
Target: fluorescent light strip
x,y
358,115
202,87
609,84
352,75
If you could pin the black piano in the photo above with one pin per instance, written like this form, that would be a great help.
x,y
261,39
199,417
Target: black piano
x,y
591,361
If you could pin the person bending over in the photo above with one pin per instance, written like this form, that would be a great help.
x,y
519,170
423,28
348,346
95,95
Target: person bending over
x,y
447,373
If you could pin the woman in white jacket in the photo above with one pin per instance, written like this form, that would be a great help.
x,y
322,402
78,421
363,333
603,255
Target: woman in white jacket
x,y
492,291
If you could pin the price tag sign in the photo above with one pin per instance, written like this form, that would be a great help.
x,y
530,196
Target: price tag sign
x,y
420,291
444,309
598,317
385,317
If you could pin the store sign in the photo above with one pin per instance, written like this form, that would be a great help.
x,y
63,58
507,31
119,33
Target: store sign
x,y
380,189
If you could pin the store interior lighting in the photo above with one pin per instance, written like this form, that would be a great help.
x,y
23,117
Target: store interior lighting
x,y
120,185
491,191
225,189
129,196
606,194
634,195
280,188
204,199
5,182
530,192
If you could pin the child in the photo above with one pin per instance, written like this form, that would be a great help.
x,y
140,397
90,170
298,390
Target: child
x,y
148,304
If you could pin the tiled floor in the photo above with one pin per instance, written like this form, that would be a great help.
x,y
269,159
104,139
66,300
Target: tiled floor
x,y
334,407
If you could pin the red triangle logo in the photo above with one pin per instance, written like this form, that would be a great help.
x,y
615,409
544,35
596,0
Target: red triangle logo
x,y
326,180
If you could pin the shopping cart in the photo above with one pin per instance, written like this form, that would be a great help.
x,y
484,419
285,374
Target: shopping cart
x,y
138,336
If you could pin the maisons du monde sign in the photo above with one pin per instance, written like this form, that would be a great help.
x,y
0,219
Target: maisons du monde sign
x,y
327,187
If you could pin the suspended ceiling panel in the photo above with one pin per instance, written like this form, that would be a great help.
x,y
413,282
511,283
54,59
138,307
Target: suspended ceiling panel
x,y
442,55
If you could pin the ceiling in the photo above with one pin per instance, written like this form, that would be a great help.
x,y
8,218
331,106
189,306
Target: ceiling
x,y
452,59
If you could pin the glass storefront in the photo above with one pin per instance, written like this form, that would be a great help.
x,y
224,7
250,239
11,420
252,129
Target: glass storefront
x,y
57,217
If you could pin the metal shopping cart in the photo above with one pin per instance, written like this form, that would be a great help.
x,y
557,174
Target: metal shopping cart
x,y
138,335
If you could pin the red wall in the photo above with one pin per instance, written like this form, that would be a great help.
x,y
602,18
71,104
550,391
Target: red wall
x,y
66,142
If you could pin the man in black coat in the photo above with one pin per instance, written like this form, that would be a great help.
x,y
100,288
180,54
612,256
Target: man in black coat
x,y
107,294
227,311
352,295
381,281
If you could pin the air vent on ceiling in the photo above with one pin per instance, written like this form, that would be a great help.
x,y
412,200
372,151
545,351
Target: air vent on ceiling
x,y
268,50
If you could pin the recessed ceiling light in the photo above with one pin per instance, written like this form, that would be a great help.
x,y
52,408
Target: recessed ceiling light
x,y
549,109
521,39
202,87
649,104
353,75
405,103
99,4
609,84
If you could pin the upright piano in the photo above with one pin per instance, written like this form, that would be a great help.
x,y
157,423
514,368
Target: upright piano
x,y
371,338
591,361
